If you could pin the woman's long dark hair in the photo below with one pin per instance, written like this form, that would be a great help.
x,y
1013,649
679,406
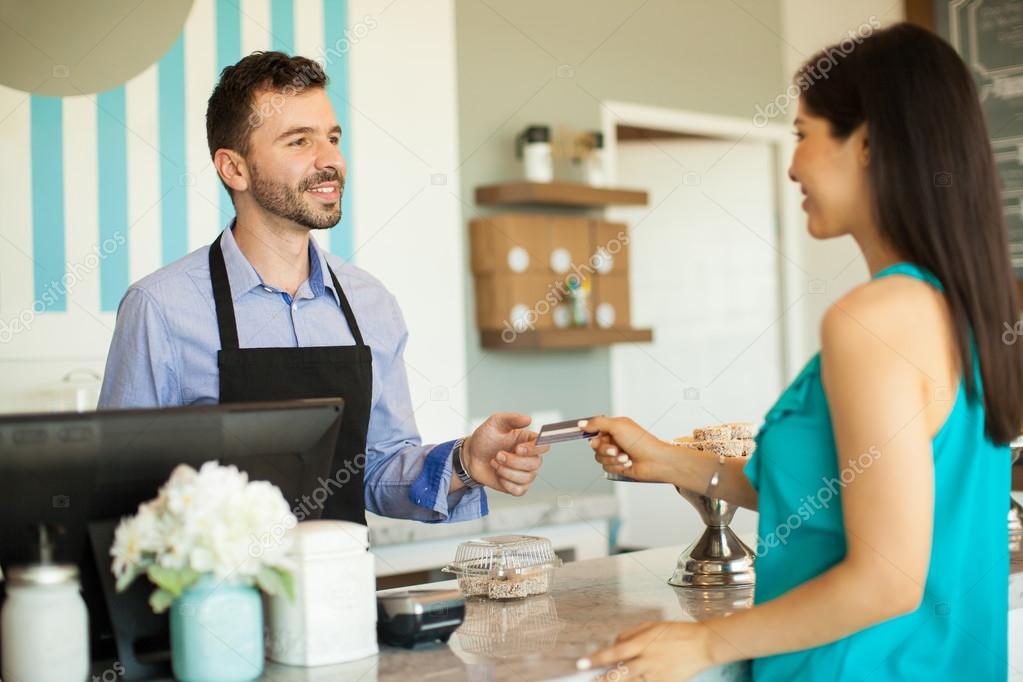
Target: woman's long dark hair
x,y
935,189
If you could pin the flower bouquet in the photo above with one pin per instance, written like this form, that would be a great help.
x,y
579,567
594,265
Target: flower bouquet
x,y
207,541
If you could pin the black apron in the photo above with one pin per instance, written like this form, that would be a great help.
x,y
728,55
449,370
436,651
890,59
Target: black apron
x,y
260,374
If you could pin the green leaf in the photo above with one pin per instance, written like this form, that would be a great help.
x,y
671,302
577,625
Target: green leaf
x,y
128,577
173,580
160,600
276,581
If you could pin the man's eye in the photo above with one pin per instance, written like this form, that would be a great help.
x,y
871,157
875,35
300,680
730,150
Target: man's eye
x,y
299,142
798,135
335,139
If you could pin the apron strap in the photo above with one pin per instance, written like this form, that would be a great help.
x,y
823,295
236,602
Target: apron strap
x,y
222,297
353,326
225,305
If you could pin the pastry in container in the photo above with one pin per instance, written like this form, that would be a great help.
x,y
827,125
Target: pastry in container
x,y
504,566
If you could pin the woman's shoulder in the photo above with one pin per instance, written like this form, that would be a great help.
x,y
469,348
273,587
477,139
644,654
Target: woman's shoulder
x,y
894,307
896,325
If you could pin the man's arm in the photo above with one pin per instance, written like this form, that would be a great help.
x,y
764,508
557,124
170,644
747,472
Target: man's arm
x,y
403,478
141,370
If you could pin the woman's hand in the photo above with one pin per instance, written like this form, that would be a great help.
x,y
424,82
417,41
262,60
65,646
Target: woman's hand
x,y
624,447
655,652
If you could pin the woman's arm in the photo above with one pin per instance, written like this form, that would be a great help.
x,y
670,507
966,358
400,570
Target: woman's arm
x,y
878,401
877,398
652,459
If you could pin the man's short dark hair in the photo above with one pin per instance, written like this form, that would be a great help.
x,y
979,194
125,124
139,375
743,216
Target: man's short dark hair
x,y
231,113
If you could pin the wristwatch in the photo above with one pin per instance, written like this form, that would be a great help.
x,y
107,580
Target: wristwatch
x,y
459,468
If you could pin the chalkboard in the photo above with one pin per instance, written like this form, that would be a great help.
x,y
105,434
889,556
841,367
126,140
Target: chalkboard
x,y
988,34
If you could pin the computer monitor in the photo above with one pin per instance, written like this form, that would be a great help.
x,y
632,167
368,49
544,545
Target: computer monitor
x,y
85,471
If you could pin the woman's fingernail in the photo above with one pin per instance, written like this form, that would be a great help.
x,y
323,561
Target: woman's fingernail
x,y
582,424
627,464
521,449
500,457
612,451
623,458
582,664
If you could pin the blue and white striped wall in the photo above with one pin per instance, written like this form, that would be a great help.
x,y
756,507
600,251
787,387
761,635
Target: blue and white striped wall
x,y
155,193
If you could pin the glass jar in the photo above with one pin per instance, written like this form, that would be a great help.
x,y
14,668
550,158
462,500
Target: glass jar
x,y
217,632
45,625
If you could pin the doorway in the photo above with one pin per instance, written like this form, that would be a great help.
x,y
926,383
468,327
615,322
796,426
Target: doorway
x,y
709,272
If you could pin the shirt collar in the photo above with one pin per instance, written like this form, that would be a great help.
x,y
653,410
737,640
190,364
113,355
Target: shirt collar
x,y
244,278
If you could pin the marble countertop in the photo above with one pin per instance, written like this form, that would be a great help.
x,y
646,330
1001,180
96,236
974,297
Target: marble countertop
x,y
507,513
541,637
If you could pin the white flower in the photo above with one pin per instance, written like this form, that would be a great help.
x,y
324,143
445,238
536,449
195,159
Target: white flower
x,y
213,520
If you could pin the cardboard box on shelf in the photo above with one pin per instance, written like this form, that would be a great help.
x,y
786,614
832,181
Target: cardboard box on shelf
x,y
521,243
609,247
520,301
611,301
568,245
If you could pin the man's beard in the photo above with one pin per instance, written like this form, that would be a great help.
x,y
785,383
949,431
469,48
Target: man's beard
x,y
288,202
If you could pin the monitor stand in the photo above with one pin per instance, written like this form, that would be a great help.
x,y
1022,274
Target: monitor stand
x,y
142,637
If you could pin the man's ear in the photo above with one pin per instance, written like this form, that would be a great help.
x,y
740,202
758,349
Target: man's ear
x,y
232,169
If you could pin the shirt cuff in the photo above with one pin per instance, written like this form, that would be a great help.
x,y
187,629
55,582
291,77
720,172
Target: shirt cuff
x,y
429,490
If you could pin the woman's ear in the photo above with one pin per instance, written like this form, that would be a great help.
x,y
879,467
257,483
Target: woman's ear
x,y
862,144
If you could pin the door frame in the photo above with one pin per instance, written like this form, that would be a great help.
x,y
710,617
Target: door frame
x,y
789,224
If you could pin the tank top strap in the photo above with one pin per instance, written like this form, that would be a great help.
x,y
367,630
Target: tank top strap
x,y
911,270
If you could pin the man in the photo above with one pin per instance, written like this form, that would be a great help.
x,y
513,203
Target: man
x,y
262,314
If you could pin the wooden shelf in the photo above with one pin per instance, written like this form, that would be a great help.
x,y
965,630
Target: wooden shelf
x,y
563,339
558,194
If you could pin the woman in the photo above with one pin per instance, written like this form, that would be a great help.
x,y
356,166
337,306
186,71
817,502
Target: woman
x,y
903,416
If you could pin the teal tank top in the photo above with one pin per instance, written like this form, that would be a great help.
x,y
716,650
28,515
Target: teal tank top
x,y
960,630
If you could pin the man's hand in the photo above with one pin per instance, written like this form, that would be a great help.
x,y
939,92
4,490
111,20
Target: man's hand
x,y
501,454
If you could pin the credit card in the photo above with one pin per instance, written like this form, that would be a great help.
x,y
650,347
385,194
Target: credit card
x,y
562,432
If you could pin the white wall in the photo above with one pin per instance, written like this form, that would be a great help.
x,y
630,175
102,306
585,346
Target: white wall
x,y
408,222
808,26
707,281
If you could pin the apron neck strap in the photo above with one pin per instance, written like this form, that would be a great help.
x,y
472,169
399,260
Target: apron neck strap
x,y
353,326
222,297
225,304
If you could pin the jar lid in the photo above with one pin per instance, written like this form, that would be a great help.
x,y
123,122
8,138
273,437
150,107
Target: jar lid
x,y
324,538
42,575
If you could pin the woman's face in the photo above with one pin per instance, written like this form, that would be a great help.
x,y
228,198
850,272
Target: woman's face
x,y
832,174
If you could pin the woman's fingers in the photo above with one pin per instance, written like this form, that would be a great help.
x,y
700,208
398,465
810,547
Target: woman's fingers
x,y
604,445
614,466
612,460
609,656
601,424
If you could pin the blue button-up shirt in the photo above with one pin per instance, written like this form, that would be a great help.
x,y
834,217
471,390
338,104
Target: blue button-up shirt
x,y
164,353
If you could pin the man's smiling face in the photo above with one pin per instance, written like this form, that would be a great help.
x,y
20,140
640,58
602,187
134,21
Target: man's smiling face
x,y
294,157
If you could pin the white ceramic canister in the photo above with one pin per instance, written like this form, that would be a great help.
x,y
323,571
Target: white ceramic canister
x,y
45,625
334,614
595,162
533,146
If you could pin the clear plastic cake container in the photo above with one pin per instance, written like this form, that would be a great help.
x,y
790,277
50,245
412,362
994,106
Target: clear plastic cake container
x,y
504,566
